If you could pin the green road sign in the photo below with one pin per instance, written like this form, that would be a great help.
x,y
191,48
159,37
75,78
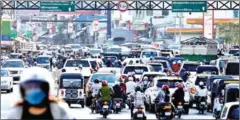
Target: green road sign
x,y
6,27
57,6
189,6
13,34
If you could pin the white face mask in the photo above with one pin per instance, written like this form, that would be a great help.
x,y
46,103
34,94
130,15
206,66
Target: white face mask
x,y
145,82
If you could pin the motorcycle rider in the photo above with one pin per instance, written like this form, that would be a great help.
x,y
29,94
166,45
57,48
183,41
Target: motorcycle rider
x,y
178,95
106,93
138,98
118,92
165,89
109,63
201,92
36,89
145,83
130,85
159,101
95,89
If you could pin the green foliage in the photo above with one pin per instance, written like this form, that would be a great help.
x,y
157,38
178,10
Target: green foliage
x,y
229,32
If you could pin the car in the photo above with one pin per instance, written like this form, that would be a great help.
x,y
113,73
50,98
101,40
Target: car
x,y
75,47
158,67
146,54
127,60
14,55
95,52
111,78
166,65
139,69
115,70
82,65
43,61
189,67
6,81
15,67
167,53
152,75
232,68
151,93
230,111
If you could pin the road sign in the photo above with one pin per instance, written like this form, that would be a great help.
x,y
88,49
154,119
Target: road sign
x,y
95,25
6,37
122,6
57,6
6,27
189,6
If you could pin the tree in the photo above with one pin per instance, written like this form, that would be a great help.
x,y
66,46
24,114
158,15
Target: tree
x,y
229,32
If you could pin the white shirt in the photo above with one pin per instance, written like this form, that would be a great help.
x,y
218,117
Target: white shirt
x,y
130,86
201,92
95,89
138,98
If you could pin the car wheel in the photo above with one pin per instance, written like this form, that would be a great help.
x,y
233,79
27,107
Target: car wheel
x,y
11,90
82,105
186,110
8,91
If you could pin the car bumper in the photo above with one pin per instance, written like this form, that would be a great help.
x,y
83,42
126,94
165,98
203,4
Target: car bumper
x,y
76,101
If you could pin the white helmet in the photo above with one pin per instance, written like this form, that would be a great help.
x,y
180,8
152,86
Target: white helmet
x,y
145,78
37,74
201,83
130,79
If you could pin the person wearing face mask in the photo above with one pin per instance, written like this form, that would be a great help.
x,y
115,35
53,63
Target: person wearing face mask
x,y
37,101
145,83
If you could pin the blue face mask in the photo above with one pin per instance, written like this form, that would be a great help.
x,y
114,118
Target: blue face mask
x,y
35,96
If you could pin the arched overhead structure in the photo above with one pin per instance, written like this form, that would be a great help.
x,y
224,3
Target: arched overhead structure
x,y
112,5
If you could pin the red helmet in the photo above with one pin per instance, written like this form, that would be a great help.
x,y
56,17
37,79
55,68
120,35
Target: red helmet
x,y
165,87
104,83
180,85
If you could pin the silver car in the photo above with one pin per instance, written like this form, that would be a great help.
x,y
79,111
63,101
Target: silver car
x,y
6,81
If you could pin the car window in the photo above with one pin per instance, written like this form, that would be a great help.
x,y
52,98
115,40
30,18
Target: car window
x,y
93,63
234,113
157,68
43,60
110,78
190,67
73,83
232,95
15,64
4,73
165,65
77,63
149,54
203,79
170,83
118,50
94,51
232,69
137,69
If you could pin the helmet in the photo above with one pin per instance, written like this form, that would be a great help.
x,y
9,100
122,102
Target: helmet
x,y
201,83
179,85
145,78
129,73
165,87
130,79
137,89
104,83
96,81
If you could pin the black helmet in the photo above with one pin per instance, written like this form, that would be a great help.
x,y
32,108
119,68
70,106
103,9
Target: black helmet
x,y
138,89
96,81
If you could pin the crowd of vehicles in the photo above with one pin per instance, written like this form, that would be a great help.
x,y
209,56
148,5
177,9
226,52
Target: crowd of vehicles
x,y
209,85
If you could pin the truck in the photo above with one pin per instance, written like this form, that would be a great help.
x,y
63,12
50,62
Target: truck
x,y
199,49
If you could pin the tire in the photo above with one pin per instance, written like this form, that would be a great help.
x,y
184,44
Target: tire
x,y
202,111
104,116
11,89
69,104
179,116
82,105
8,91
92,110
186,111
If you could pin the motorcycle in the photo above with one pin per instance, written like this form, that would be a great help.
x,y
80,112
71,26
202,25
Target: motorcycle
x,y
117,105
139,114
179,109
164,111
201,104
105,109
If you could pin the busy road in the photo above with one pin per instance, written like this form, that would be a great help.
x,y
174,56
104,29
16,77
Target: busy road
x,y
8,100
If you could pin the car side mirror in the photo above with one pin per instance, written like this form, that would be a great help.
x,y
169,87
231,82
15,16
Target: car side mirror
x,y
63,70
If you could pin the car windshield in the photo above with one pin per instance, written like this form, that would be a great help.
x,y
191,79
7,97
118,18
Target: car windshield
x,y
110,78
15,64
14,56
137,70
203,79
232,69
118,50
77,63
170,83
4,73
234,113
95,51
149,54
158,68
190,67
164,63
73,83
42,60
75,46
165,54
232,95
233,51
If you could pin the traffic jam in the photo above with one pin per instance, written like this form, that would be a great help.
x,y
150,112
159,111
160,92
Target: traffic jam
x,y
138,78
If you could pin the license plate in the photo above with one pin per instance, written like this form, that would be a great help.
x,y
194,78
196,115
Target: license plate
x,y
167,113
140,115
118,104
194,105
203,103
105,107
180,107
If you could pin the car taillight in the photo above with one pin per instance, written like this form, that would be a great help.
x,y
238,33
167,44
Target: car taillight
x,y
139,110
118,101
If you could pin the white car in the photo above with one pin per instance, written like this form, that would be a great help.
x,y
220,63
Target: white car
x,y
152,75
95,52
15,67
43,61
73,65
152,92
6,81
110,69
139,69
127,60
146,54
230,111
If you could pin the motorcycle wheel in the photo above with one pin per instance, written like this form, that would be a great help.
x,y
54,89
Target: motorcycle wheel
x,y
104,116
202,111
179,116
